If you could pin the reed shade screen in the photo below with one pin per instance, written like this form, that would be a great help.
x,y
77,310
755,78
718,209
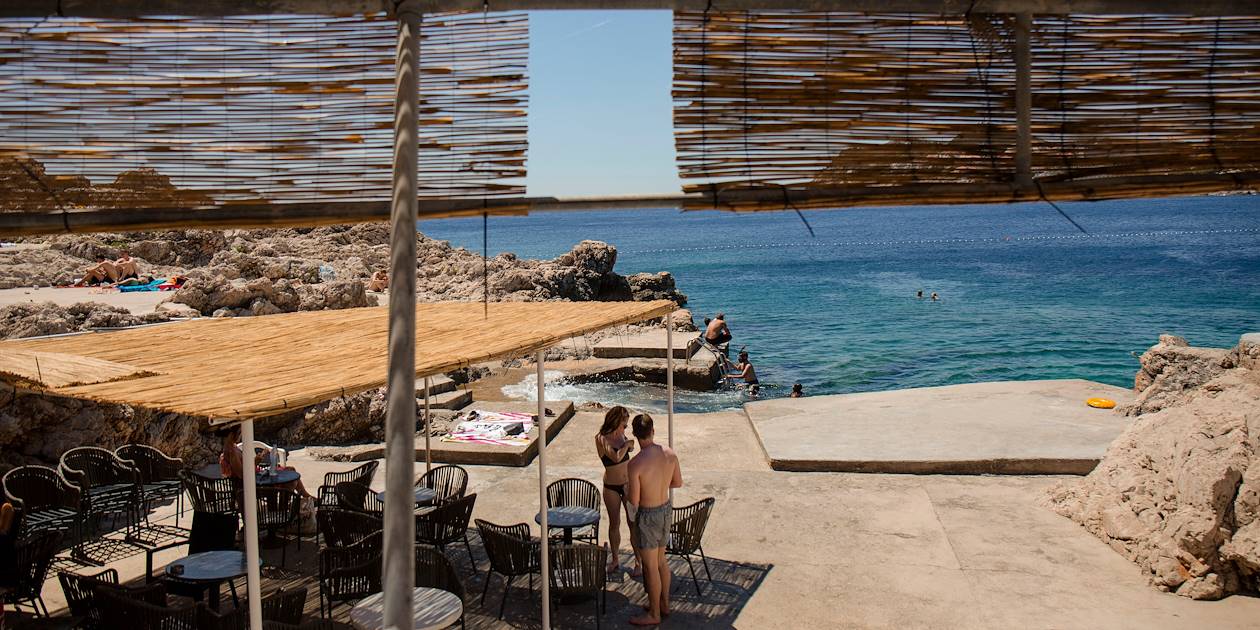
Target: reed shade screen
x,y
842,109
185,112
248,367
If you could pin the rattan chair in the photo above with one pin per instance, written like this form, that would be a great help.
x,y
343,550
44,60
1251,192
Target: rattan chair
x,y
31,558
314,624
80,592
685,533
110,485
45,499
434,570
580,570
119,609
512,553
356,496
280,509
159,475
215,513
446,524
341,527
577,492
349,573
283,606
359,474
449,481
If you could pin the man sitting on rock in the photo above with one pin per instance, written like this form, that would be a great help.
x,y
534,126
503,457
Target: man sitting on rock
x,y
379,282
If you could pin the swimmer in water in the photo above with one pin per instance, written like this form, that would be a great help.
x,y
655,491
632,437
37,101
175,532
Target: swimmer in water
x,y
935,297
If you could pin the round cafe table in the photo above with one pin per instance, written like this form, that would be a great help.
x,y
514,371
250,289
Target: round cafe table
x,y
568,518
423,495
209,568
277,478
432,607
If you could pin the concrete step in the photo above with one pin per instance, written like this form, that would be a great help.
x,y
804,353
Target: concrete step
x,y
647,345
439,384
456,399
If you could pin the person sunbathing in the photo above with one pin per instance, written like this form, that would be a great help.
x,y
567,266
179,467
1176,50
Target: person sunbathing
x,y
102,272
127,267
379,282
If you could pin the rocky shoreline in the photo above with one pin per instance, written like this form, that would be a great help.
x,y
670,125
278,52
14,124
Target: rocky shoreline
x,y
238,273
1178,492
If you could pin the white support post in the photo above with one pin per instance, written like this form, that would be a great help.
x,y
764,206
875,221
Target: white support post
x,y
428,455
398,559
1023,101
253,580
542,492
669,383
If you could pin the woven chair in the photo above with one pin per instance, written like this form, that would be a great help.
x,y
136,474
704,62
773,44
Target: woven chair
x,y
359,474
447,524
46,500
80,592
449,481
356,496
215,513
341,527
314,624
159,475
121,610
111,485
280,509
349,573
31,558
512,553
283,606
434,570
580,570
685,533
576,492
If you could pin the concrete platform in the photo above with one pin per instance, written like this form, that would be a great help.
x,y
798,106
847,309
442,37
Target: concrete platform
x,y
651,344
1010,427
485,454
454,399
439,384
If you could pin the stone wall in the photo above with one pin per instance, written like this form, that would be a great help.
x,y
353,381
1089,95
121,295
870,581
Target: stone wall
x,y
1178,492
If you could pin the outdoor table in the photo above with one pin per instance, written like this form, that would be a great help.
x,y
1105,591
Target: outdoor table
x,y
568,518
278,477
433,608
211,568
423,495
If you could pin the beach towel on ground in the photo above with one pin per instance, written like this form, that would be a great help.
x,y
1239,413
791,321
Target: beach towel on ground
x,y
151,286
504,428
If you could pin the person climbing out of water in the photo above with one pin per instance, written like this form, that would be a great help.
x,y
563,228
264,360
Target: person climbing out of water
x,y
744,369
797,391
716,333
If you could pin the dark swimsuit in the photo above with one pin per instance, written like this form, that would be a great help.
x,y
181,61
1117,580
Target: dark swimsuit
x,y
619,488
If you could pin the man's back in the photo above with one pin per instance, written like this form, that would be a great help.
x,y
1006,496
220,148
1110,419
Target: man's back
x,y
654,469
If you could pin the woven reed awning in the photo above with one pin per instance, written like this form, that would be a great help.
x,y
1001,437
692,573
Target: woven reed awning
x,y
251,367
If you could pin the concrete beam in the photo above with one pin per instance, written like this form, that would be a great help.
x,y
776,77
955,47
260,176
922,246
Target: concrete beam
x,y
132,8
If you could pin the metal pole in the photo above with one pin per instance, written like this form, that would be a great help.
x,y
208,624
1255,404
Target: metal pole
x,y
253,581
542,492
669,383
428,455
400,419
1023,100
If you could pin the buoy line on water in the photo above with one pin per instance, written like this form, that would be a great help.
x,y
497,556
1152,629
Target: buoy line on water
x,y
944,241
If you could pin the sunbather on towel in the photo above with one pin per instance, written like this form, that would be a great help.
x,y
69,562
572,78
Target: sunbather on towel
x,y
102,272
127,267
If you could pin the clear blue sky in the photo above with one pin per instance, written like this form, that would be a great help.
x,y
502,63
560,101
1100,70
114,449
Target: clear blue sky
x,y
600,114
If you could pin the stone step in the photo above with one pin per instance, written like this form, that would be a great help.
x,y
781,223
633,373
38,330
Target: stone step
x,y
456,399
439,384
646,345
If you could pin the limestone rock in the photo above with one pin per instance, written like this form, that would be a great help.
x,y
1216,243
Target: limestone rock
x,y
1178,492
34,319
1169,369
175,309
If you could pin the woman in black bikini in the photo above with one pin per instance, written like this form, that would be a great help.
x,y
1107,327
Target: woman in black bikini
x,y
613,448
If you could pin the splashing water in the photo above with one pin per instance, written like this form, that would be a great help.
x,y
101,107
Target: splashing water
x,y
644,396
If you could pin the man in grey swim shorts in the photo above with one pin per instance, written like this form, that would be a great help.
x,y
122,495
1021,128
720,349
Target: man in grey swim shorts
x,y
652,473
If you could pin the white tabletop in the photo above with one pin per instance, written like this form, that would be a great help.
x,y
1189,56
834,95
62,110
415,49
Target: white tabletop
x,y
434,608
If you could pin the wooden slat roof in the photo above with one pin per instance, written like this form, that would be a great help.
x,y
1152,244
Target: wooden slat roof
x,y
249,367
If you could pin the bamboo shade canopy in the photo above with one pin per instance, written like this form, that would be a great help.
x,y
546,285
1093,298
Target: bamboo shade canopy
x,y
179,112
240,368
839,109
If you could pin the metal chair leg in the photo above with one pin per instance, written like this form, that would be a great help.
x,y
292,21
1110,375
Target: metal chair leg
x,y
694,579
472,562
506,587
706,562
486,587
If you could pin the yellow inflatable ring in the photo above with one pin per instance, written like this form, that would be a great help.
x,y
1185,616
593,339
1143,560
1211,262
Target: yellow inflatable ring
x,y
1100,403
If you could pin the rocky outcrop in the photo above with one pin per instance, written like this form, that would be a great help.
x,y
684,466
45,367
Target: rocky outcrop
x,y
219,296
1178,492
36,319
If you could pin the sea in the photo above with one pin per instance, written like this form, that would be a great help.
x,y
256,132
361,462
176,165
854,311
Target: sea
x,y
828,299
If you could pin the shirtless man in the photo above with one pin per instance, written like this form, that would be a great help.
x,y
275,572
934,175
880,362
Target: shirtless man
x,y
126,267
103,271
652,473
380,281
744,369
716,333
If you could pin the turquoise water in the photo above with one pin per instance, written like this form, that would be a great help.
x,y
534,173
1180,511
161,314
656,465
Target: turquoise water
x,y
1024,295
